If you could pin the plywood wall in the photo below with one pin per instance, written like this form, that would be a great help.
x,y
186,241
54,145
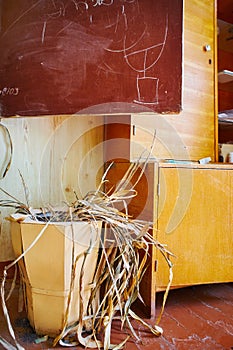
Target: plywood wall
x,y
190,134
55,156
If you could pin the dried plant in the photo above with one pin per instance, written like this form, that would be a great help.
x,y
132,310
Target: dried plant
x,y
124,255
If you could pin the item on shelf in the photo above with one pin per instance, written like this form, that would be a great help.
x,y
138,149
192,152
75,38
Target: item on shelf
x,y
225,76
220,155
230,157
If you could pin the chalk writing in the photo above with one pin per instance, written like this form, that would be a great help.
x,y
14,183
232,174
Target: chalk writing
x,y
102,2
99,2
60,9
9,91
57,55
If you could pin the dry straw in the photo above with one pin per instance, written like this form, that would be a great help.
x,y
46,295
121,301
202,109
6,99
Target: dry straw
x,y
123,259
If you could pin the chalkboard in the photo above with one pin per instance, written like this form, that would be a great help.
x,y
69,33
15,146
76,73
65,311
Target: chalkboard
x,y
97,56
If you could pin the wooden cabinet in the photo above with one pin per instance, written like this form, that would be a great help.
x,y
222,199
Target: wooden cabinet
x,y
191,207
196,224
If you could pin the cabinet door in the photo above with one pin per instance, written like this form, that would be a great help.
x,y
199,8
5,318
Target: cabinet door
x,y
199,230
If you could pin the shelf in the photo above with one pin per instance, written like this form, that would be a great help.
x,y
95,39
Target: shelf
x,y
225,76
226,116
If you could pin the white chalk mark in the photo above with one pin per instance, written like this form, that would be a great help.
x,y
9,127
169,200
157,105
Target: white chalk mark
x,y
131,52
43,32
145,51
21,16
117,22
64,28
126,21
154,86
144,68
129,47
102,2
147,86
116,25
77,4
9,91
120,23
60,12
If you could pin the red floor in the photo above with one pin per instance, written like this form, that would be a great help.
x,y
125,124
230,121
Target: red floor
x,y
199,317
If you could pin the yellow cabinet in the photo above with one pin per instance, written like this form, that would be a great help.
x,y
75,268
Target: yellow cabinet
x,y
195,221
191,207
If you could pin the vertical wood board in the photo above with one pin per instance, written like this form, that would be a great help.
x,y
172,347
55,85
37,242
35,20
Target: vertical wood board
x,y
54,156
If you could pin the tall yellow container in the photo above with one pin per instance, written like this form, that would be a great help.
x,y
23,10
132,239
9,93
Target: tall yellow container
x,y
46,269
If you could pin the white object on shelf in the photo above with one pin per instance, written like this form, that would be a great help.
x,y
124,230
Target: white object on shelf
x,y
226,116
230,157
225,76
204,160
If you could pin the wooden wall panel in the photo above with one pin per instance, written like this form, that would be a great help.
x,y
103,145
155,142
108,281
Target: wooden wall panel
x,y
55,155
192,133
116,138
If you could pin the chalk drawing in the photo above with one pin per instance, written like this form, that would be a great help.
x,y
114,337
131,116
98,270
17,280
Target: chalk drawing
x,y
145,84
140,54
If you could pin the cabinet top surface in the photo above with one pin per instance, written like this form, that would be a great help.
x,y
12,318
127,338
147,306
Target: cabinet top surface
x,y
195,165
